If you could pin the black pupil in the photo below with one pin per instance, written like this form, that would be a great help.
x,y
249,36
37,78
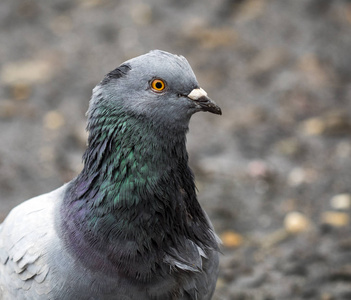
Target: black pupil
x,y
159,85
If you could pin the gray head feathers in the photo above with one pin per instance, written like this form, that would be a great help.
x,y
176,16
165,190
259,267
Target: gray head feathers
x,y
128,89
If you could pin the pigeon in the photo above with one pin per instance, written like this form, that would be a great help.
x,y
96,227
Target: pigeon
x,y
129,226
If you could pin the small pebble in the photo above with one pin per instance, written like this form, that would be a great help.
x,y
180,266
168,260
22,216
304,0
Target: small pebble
x,y
296,222
332,123
289,146
251,9
299,176
326,296
220,283
141,14
336,219
27,72
20,91
210,38
341,201
313,126
231,239
337,122
258,169
53,120
296,177
314,71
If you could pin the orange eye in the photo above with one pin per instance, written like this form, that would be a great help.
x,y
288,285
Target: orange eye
x,y
158,85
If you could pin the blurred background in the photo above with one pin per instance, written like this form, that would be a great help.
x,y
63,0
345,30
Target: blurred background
x,y
273,172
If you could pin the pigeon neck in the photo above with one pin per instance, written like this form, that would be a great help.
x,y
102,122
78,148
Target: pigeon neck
x,y
135,195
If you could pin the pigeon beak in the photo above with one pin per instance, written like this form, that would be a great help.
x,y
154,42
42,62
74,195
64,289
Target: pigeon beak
x,y
199,96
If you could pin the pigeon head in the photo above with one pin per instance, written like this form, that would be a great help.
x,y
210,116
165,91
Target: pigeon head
x,y
157,86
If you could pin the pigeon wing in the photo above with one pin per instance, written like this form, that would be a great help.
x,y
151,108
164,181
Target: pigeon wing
x,y
26,236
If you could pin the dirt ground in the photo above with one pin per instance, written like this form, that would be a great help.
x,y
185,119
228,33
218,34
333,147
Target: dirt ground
x,y
273,172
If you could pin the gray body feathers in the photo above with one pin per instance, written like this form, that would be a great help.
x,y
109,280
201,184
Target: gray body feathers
x,y
34,264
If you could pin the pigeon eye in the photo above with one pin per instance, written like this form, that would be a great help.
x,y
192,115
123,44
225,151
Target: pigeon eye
x,y
158,85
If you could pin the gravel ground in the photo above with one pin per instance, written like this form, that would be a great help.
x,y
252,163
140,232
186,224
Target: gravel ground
x,y
273,172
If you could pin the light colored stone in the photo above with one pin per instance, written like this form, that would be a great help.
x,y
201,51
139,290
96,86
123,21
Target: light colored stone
x,y
341,201
313,126
251,9
289,146
210,38
20,91
315,73
336,219
27,72
258,169
53,120
231,239
296,222
299,176
141,14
